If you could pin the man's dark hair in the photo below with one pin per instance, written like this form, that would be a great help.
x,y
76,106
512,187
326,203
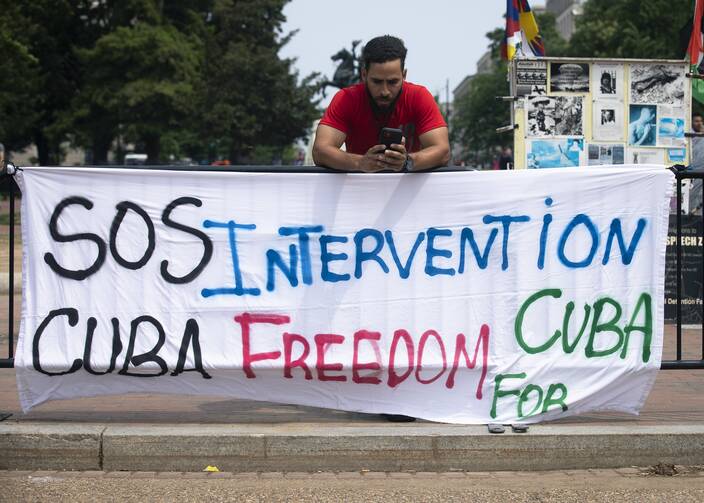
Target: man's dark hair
x,y
383,49
697,114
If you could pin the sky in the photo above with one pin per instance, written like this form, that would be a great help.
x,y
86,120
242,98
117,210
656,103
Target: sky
x,y
444,38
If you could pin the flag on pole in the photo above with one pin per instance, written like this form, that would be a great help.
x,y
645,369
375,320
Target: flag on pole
x,y
696,51
522,35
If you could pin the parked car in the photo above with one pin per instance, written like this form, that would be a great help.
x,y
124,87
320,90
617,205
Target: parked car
x,y
135,159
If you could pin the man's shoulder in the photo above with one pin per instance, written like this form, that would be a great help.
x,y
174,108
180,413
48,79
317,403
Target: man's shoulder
x,y
353,91
416,89
344,108
416,94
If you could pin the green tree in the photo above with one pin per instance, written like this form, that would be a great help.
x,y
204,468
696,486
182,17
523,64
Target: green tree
x,y
477,115
631,29
40,42
52,28
143,79
20,82
252,96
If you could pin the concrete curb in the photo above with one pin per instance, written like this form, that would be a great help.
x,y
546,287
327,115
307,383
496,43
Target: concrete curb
x,y
311,447
50,447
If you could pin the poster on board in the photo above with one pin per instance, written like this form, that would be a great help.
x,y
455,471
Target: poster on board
x,y
555,116
645,156
657,84
677,155
557,153
671,126
531,77
569,77
569,116
607,81
540,116
692,288
605,154
642,125
607,120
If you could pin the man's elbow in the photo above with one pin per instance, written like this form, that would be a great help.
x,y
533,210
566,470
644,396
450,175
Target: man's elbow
x,y
443,157
446,156
318,155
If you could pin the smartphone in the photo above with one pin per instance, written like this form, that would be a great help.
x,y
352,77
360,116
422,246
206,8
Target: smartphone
x,y
389,135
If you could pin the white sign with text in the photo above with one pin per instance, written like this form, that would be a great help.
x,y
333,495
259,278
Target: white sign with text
x,y
462,297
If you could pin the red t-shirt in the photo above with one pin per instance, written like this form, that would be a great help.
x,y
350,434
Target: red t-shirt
x,y
350,111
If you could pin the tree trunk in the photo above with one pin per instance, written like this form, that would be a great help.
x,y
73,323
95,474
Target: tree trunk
x,y
48,153
42,148
152,147
101,147
236,154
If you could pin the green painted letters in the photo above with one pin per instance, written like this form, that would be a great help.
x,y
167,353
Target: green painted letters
x,y
518,326
609,326
645,302
549,400
498,393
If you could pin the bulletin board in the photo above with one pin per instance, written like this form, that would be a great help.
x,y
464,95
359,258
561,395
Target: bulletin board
x,y
590,112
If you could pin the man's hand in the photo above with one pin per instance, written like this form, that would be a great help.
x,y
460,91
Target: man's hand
x,y
373,160
380,158
395,157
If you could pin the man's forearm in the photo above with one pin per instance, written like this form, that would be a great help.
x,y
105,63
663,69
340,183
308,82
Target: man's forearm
x,y
335,158
430,157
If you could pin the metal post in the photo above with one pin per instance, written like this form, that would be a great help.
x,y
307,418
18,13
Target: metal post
x,y
11,293
679,268
10,331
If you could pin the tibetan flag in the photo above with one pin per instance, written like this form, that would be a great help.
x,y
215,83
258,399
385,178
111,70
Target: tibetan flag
x,y
522,35
696,51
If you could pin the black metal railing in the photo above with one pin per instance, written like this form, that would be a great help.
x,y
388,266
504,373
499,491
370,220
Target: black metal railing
x,y
10,190
682,174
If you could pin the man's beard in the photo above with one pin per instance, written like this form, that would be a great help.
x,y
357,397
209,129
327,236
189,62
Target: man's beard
x,y
382,109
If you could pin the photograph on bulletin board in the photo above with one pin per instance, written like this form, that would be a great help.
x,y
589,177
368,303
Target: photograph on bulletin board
x,y
559,153
671,126
607,81
677,155
555,116
642,125
604,154
531,78
569,77
645,156
607,120
657,84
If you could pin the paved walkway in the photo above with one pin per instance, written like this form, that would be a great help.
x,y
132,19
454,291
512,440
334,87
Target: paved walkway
x,y
610,486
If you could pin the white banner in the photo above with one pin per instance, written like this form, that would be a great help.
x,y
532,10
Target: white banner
x,y
467,297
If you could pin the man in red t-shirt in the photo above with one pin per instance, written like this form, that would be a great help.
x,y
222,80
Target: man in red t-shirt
x,y
357,114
